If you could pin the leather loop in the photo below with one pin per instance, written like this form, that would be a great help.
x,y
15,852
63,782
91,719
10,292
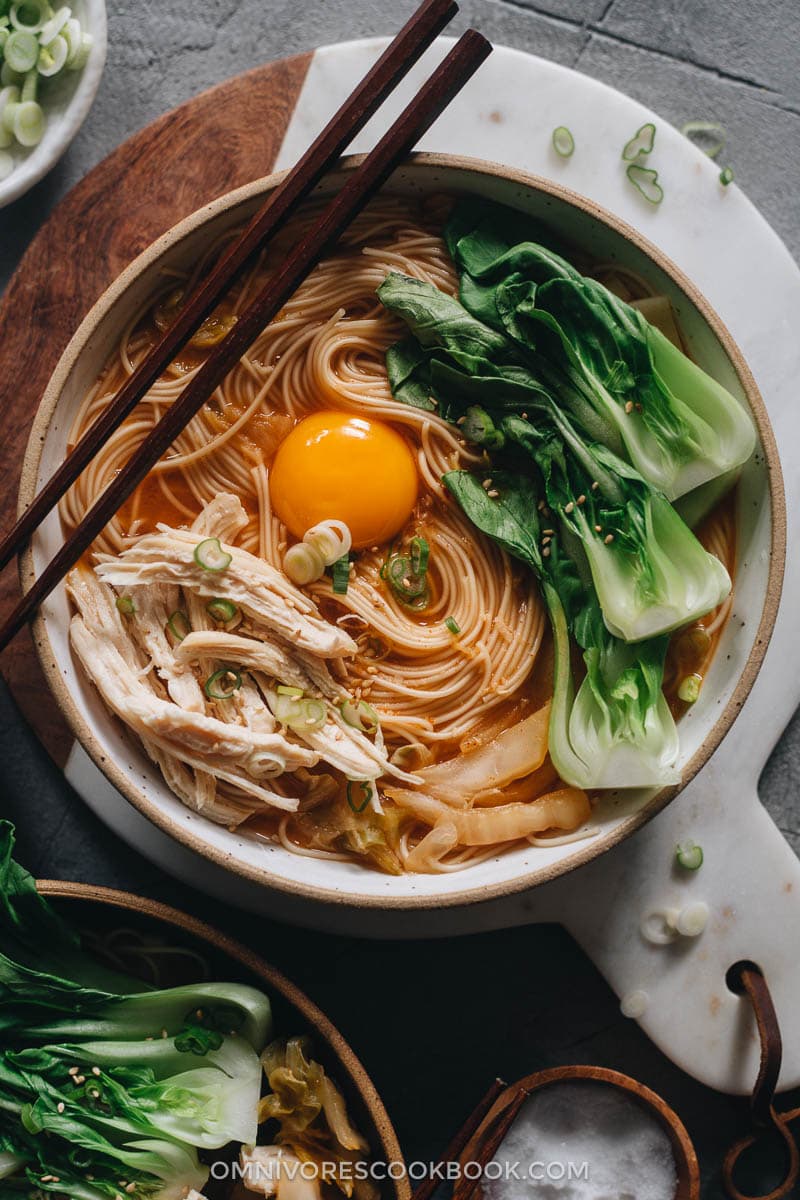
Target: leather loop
x,y
750,981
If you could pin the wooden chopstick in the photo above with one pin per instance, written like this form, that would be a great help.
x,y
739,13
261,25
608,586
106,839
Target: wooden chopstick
x,y
446,81
397,59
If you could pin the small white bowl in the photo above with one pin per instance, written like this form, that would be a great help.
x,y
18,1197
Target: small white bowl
x,y
70,96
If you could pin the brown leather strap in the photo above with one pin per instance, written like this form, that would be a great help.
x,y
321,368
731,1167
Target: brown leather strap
x,y
748,979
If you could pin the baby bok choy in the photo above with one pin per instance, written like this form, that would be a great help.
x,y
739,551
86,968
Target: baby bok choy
x,y
617,731
108,1088
649,571
633,389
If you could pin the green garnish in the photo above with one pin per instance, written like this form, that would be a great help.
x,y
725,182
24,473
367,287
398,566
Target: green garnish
x,y
340,574
453,625
689,856
210,556
125,605
726,176
420,552
478,427
178,625
689,689
645,180
706,135
641,143
403,580
221,610
360,715
223,684
283,689
563,141
366,792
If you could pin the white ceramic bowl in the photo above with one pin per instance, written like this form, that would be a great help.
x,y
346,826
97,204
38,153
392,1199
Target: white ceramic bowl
x,y
759,572
69,98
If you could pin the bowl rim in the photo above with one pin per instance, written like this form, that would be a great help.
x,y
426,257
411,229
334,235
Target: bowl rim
x,y
22,179
527,878
275,979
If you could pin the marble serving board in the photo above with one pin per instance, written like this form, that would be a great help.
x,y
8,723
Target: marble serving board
x,y
750,879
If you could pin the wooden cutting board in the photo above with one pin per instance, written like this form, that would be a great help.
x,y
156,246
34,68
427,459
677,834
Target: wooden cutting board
x,y
215,142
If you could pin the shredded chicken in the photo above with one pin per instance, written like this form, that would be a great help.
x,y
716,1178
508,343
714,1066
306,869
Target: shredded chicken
x,y
221,756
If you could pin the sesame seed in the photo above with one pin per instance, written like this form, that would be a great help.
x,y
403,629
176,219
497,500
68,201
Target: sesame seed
x,y
487,483
60,1106
595,486
95,1070
629,406
524,416
164,1033
540,506
546,552
545,541
73,1071
461,420
493,493
598,528
79,1079
549,532
581,499
569,507
130,1189
608,539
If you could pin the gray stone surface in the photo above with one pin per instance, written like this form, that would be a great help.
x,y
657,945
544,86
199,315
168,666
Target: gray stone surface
x,y
524,998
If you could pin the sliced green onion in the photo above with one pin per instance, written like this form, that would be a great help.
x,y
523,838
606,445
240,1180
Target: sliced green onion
x,y
478,427
642,142
403,579
645,180
303,564
21,51
563,141
301,715
221,609
178,625
210,556
72,34
702,132
726,176
28,124
30,15
53,57
360,715
223,684
30,86
453,625
125,605
283,689
340,574
417,603
689,689
8,96
81,56
359,802
53,27
419,555
689,855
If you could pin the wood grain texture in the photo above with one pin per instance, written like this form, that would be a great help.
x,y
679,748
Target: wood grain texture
x,y
217,141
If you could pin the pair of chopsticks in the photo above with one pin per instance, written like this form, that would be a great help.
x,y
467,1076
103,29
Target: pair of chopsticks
x,y
443,85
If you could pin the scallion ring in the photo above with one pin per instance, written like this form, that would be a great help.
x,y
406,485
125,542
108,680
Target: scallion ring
x,y
178,625
283,689
30,15
689,856
303,564
641,143
223,684
221,610
53,57
726,176
645,180
360,715
563,142
453,625
403,579
359,803
210,556
689,688
340,575
21,51
125,605
706,135
53,27
419,553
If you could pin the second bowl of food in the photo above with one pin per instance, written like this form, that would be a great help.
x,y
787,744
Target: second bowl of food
x,y
462,574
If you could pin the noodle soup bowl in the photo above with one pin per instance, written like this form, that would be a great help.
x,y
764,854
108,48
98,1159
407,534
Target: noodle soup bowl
x,y
761,543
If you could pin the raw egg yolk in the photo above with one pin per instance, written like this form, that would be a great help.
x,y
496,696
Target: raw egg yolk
x,y
333,466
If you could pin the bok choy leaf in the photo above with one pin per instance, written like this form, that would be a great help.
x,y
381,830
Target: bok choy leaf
x,y
617,731
672,421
